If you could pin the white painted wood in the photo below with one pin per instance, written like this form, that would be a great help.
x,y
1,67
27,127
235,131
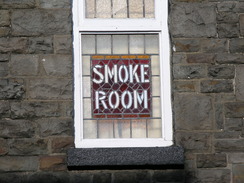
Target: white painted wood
x,y
158,25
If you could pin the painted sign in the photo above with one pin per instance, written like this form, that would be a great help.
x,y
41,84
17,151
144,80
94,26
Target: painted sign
x,y
121,86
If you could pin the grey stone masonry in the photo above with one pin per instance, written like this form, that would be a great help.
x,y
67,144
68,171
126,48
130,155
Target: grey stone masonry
x,y
36,97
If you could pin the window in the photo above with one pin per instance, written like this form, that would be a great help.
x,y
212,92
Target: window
x,y
122,94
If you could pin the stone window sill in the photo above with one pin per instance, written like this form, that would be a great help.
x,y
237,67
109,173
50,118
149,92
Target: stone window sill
x,y
91,158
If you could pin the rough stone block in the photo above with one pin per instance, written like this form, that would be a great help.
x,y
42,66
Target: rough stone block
x,y
219,115
52,163
234,124
239,7
186,45
193,141
236,158
193,20
179,58
4,57
14,177
227,135
40,45
17,4
57,65
185,86
189,71
3,147
211,160
3,70
238,176
234,110
34,109
226,6
81,177
14,45
201,119
67,108
120,177
221,71
49,177
28,146
200,58
228,30
237,45
4,109
214,45
216,175
16,129
102,177
216,86
239,82
228,145
18,163
63,44
226,58
37,22
12,89
50,88
242,24
55,126
55,4
227,17
24,65
62,144
4,18
4,31
169,176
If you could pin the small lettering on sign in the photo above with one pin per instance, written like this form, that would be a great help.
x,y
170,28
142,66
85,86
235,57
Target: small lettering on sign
x,y
121,86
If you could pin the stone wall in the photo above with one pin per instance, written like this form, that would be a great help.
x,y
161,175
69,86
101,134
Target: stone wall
x,y
36,124
208,87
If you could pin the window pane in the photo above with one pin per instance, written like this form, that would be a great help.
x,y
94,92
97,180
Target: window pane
x,y
104,44
136,8
103,9
149,8
120,44
137,44
120,8
121,86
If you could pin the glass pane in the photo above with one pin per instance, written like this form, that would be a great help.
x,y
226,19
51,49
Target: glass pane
x,y
103,9
87,87
119,8
156,86
104,44
137,44
87,107
122,128
90,8
139,128
152,45
86,65
88,44
155,65
154,128
90,129
105,129
120,44
149,8
136,9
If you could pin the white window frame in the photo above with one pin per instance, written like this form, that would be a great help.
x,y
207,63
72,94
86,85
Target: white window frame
x,y
157,25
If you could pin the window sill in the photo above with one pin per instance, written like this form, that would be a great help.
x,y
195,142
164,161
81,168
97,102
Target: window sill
x,y
145,157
